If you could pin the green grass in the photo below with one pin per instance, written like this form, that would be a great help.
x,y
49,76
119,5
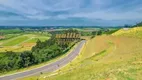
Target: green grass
x,y
33,40
10,31
15,41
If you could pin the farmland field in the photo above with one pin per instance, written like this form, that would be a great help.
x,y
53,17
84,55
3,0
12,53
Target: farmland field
x,y
21,42
106,57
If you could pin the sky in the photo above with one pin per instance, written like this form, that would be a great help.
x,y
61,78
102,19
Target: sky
x,y
70,12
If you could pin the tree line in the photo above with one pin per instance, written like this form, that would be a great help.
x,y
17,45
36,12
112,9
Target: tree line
x,y
103,31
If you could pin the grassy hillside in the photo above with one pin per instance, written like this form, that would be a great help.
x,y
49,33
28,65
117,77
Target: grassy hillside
x,y
117,57
130,32
20,42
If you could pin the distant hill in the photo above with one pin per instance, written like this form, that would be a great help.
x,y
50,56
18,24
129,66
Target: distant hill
x,y
138,24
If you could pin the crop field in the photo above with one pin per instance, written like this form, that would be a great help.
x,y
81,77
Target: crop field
x,y
111,57
20,42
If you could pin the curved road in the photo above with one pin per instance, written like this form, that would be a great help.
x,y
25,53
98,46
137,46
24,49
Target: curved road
x,y
47,68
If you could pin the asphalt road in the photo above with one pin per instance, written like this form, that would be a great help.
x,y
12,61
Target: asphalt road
x,y
47,68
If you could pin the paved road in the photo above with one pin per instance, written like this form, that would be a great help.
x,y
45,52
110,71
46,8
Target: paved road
x,y
47,68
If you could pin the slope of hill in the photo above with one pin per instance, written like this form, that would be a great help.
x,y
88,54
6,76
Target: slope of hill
x,y
130,32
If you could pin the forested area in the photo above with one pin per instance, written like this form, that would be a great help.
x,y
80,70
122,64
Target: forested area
x,y
41,52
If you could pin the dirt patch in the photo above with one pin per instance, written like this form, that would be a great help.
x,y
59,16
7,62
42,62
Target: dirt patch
x,y
28,44
2,37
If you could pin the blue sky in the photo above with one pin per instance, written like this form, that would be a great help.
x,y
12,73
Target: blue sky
x,y
70,12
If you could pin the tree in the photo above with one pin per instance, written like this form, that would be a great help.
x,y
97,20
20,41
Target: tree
x,y
26,59
94,33
127,26
99,32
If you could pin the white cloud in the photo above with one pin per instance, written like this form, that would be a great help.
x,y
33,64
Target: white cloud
x,y
110,15
38,17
